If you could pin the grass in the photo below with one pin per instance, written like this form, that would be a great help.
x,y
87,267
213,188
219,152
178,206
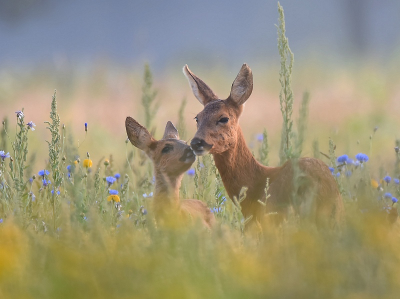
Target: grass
x,y
75,242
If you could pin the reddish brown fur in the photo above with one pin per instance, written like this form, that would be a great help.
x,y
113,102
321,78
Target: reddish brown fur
x,y
318,196
169,168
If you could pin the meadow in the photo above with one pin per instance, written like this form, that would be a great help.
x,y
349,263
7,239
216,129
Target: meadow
x,y
64,235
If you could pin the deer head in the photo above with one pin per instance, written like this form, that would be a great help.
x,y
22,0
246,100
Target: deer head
x,y
218,123
171,156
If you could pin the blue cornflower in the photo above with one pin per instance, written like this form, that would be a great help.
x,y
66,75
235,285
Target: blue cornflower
x,y
69,168
20,114
338,174
362,157
191,172
33,197
394,199
3,155
147,195
43,172
85,127
342,159
396,181
113,192
387,179
110,180
387,195
31,180
332,169
260,137
349,161
31,126
117,176
46,183
58,192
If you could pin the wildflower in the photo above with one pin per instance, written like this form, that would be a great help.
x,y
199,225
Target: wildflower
x,y
46,182
106,162
3,155
117,176
332,169
69,168
342,159
338,174
33,197
110,180
374,184
113,196
191,172
143,210
58,192
394,200
87,163
20,114
387,195
362,157
396,181
260,137
31,126
31,180
85,127
1,220
387,179
148,195
43,172
349,161
76,162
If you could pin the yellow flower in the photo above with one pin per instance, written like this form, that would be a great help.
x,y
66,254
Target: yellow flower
x,y
114,198
87,163
76,162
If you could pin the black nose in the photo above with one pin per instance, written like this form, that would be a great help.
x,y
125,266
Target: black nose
x,y
197,144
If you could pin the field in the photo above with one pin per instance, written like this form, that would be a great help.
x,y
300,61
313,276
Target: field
x,y
67,239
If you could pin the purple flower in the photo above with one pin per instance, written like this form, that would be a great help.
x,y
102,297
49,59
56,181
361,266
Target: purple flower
x,y
396,181
46,183
113,192
394,199
31,126
191,172
332,169
362,157
387,195
3,155
117,176
69,168
110,180
342,159
387,179
20,114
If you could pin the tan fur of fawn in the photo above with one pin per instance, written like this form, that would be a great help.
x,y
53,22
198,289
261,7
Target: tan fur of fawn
x,y
219,133
171,157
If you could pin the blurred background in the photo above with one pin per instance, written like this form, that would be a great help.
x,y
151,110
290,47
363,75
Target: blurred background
x,y
347,55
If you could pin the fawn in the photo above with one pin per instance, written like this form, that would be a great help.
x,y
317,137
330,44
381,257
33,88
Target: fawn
x,y
219,133
171,157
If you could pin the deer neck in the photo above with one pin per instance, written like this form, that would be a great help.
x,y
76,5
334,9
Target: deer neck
x,y
238,168
167,190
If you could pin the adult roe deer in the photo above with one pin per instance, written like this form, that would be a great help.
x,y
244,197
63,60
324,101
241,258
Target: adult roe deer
x,y
219,133
171,157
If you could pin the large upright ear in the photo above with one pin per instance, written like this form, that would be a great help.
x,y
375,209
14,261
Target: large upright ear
x,y
138,135
200,89
242,86
170,131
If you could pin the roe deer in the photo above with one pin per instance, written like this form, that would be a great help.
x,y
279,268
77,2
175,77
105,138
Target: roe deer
x,y
171,157
219,133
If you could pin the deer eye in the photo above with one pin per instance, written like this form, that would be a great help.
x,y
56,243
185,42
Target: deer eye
x,y
223,120
167,149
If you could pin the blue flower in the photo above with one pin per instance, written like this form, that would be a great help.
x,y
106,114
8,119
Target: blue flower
x,y
46,183
260,137
113,192
338,174
20,114
147,195
349,161
394,199
191,172
144,212
58,192
43,172
85,127
332,169
31,180
31,126
387,195
396,181
387,179
69,168
117,176
33,197
3,155
362,157
342,159
110,180
1,220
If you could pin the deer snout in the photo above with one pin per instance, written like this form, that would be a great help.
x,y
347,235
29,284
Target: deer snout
x,y
188,156
199,146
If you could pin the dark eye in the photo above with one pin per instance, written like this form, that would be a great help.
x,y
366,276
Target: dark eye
x,y
167,149
197,120
223,120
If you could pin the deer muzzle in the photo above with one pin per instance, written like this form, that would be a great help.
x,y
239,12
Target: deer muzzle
x,y
200,147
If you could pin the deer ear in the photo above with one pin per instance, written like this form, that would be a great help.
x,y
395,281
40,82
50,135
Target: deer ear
x,y
242,86
200,89
170,131
138,135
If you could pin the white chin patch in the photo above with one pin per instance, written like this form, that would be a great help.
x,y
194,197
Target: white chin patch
x,y
200,153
